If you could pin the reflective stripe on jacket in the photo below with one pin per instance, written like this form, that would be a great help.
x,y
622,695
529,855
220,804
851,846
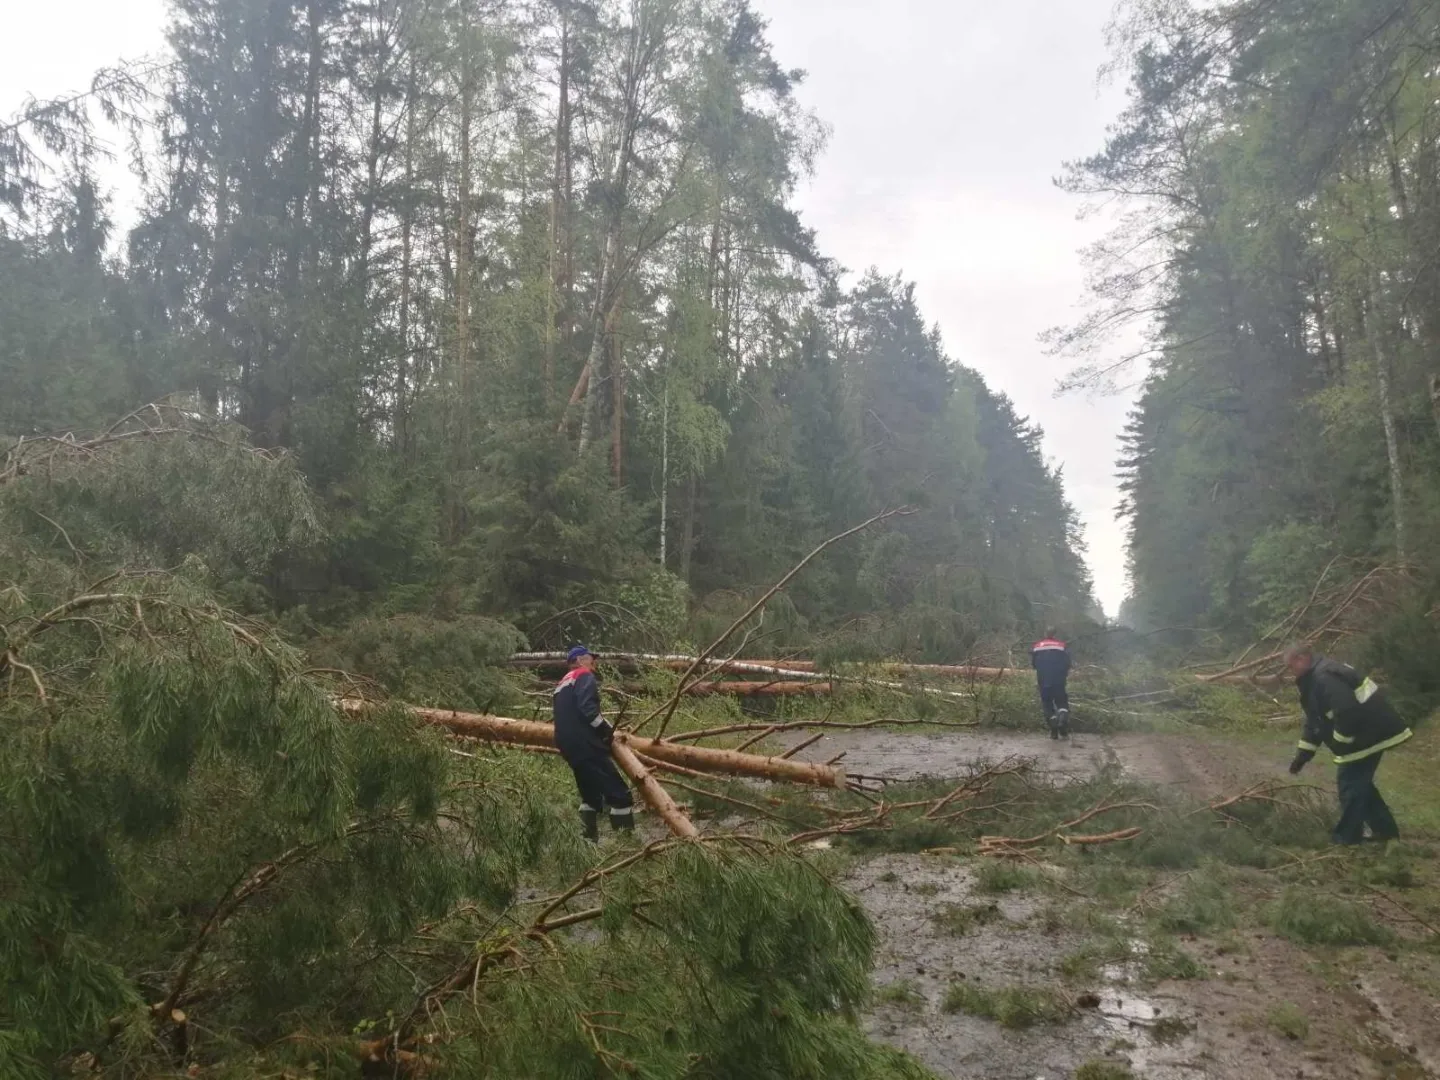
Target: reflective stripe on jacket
x,y
1347,713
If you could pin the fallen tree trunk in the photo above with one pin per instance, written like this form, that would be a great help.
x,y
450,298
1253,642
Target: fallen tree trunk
x,y
656,796
741,688
628,663
807,671
701,758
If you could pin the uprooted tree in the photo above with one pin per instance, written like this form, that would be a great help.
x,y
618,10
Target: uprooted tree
x,y
205,861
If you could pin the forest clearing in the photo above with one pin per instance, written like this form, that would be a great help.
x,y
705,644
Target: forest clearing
x,y
485,592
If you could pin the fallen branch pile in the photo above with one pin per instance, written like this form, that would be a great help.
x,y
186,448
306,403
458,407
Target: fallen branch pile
x,y
1333,611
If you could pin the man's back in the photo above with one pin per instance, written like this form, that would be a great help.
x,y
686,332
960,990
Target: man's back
x,y
1051,659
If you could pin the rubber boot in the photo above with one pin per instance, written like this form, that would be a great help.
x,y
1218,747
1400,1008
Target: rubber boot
x,y
590,820
1053,721
623,823
1062,721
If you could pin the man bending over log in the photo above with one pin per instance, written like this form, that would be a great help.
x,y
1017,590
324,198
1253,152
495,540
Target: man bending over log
x,y
1351,716
583,738
1051,661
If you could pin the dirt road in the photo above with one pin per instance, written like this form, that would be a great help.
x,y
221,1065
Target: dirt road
x,y
1370,1022
1201,765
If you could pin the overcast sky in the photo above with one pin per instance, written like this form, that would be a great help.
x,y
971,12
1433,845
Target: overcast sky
x,y
949,119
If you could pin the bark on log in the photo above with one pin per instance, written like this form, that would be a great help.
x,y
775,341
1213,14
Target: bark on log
x,y
701,758
656,796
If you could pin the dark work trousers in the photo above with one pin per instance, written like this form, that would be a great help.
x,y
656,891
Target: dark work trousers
x,y
598,779
1052,697
1361,803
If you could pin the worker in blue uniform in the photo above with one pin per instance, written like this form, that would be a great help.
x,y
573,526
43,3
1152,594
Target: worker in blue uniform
x,y
1051,660
583,737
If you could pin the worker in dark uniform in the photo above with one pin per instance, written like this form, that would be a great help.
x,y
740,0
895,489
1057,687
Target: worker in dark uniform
x,y
1351,716
1051,661
583,738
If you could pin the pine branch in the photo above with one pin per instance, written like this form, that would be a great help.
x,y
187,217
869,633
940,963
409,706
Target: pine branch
x,y
666,711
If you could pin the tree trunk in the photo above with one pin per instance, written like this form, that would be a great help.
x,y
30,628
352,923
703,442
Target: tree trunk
x,y
1387,419
558,203
407,226
701,758
618,196
617,413
687,532
656,796
665,464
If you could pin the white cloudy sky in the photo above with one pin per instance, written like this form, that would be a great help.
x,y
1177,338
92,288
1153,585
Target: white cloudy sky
x,y
949,118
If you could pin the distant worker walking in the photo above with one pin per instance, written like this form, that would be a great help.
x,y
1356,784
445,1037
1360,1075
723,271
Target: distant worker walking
x,y
1351,716
1051,661
583,737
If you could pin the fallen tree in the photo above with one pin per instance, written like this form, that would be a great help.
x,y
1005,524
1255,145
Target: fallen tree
x,y
798,670
503,729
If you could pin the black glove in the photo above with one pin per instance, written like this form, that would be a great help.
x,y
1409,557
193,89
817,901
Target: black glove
x,y
1301,760
607,734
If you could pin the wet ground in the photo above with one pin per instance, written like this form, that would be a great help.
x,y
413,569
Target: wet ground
x,y
1217,1027
1370,1022
1205,767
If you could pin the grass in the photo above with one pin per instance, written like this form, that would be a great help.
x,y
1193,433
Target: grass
x,y
1407,778
903,993
961,919
1203,904
1104,1070
1308,917
1014,1007
1157,960
996,876
1170,1029
1289,1021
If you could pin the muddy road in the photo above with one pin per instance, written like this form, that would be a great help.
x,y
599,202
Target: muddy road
x,y
1373,1021
1204,767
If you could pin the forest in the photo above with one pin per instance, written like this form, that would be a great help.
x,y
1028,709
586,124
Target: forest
x,y
1276,173
447,334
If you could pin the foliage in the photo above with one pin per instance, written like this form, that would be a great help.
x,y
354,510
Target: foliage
x,y
334,253
1276,163
194,829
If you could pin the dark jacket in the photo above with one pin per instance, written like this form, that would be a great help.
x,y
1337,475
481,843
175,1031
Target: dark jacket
x,y
579,727
1346,712
1051,661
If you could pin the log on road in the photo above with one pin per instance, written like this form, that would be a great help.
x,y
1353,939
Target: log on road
x,y
628,663
503,729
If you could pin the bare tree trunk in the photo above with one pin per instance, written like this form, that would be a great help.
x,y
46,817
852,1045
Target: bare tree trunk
x,y
635,60
407,226
687,534
458,390
665,465
1387,418
617,416
372,148
558,202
